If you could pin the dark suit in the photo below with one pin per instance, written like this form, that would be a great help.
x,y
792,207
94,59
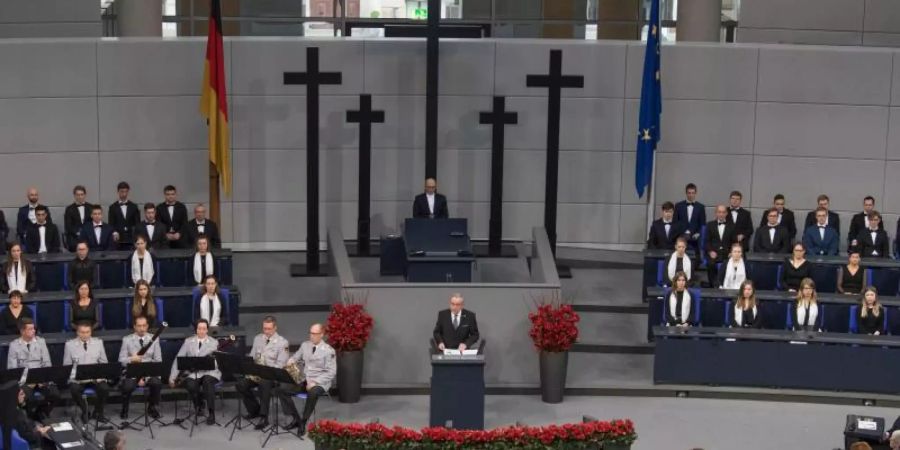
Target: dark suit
x,y
787,221
868,249
124,224
4,232
719,244
82,270
51,238
74,224
175,222
420,207
816,245
781,243
834,221
158,239
466,333
743,225
22,221
697,220
857,224
659,239
210,230
106,241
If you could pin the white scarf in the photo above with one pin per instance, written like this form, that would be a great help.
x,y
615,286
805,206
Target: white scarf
x,y
11,278
136,273
685,264
198,272
213,317
813,315
734,276
685,305
739,316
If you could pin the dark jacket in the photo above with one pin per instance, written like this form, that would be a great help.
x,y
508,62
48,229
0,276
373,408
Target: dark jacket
x,y
466,333
743,225
780,244
698,219
420,207
22,221
749,320
124,224
814,243
879,248
106,241
175,223
834,221
73,224
210,230
857,224
82,270
33,238
787,221
158,240
722,246
658,239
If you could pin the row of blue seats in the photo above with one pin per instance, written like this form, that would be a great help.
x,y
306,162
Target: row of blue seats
x,y
54,276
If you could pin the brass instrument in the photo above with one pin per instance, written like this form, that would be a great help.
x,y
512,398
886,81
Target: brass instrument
x,y
295,371
258,360
223,344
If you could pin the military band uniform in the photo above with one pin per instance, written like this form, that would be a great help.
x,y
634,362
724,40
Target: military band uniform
x,y
274,353
131,344
34,355
91,352
319,367
202,382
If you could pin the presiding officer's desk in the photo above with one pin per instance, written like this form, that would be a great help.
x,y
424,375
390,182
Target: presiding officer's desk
x,y
777,359
438,251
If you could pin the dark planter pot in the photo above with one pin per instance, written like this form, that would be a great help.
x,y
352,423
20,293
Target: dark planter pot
x,y
553,376
349,376
616,447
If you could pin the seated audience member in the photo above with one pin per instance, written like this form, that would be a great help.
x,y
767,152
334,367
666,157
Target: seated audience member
x,y
805,313
173,214
785,217
733,271
42,236
692,214
833,220
76,215
860,221
142,262
860,446
210,307
795,268
82,268
204,262
27,214
4,232
681,303
99,235
851,277
745,313
14,311
201,226
430,204
114,440
665,230
143,304
154,231
719,238
869,316
37,436
83,308
18,273
873,242
679,261
741,219
771,237
821,239
124,216
894,440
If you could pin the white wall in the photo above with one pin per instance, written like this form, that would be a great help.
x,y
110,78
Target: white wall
x,y
49,18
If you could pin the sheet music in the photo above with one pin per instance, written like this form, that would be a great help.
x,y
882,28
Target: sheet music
x,y
467,352
62,426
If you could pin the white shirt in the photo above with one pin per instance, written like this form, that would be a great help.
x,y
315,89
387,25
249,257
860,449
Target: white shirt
x,y
822,232
455,320
124,208
866,218
171,209
690,210
31,216
150,228
668,226
734,213
779,218
213,316
42,230
721,228
81,212
772,235
430,198
201,227
874,235
98,230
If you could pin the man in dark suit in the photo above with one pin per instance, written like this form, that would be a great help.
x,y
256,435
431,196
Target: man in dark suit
x,y
173,214
456,327
42,237
719,237
821,239
76,215
201,226
860,221
26,214
691,213
153,230
99,235
430,204
785,217
4,232
873,242
665,230
740,218
124,216
833,219
772,237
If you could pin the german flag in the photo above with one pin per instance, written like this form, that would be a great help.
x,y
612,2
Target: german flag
x,y
213,102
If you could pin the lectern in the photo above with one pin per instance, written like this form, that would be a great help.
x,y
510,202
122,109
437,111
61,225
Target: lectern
x,y
457,391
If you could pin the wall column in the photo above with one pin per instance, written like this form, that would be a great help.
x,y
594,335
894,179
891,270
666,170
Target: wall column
x,y
139,18
699,20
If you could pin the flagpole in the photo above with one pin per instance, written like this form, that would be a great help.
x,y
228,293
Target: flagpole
x,y
214,197
651,196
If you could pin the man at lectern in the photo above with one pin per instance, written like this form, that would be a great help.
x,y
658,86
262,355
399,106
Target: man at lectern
x,y
456,327
430,204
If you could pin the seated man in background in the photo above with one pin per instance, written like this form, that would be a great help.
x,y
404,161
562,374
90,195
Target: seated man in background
x,y
821,239
873,242
665,230
720,235
692,214
124,216
27,214
456,328
430,204
99,235
4,232
771,237
833,220
860,221
201,226
75,217
152,229
785,217
741,219
42,236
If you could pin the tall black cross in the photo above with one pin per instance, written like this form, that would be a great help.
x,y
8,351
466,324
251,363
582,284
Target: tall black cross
x,y
555,81
432,48
365,117
312,78
498,119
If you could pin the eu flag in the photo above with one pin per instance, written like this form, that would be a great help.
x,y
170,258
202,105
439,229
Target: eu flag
x,y
651,106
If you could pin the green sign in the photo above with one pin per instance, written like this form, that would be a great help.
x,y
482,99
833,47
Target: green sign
x,y
420,13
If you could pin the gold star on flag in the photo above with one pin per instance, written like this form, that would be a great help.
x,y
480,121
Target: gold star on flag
x,y
646,135
657,75
653,30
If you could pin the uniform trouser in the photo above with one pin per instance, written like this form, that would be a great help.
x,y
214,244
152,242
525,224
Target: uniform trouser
x,y
285,394
102,390
128,385
202,388
254,407
41,407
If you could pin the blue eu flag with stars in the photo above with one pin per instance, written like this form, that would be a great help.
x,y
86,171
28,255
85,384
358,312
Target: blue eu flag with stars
x,y
651,106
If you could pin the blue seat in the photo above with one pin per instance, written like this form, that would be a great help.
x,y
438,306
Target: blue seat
x,y
695,293
714,312
885,280
112,274
854,321
50,317
224,267
179,311
836,318
704,258
765,275
789,322
17,443
160,317
50,276
173,273
824,276
115,313
661,275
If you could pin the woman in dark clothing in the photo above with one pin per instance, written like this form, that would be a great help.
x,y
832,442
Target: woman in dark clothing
x,y
851,277
143,303
870,318
10,316
746,310
83,308
795,268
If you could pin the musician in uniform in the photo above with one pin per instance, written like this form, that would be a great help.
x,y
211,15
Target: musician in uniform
x,y
86,349
129,354
317,359
30,351
205,380
269,349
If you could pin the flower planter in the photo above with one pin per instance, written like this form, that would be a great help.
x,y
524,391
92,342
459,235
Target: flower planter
x,y
554,366
349,376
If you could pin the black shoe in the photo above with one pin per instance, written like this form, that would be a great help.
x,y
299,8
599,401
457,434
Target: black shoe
x,y
153,412
302,428
201,412
251,415
211,419
99,417
124,414
262,425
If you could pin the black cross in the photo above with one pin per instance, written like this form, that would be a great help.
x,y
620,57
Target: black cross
x,y
554,82
498,119
312,78
365,117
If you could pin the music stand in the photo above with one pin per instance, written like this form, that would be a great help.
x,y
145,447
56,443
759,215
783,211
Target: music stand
x,y
233,364
278,375
192,364
137,371
11,375
101,371
58,375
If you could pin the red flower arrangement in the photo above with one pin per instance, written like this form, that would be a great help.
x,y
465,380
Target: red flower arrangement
x,y
348,327
334,435
554,326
